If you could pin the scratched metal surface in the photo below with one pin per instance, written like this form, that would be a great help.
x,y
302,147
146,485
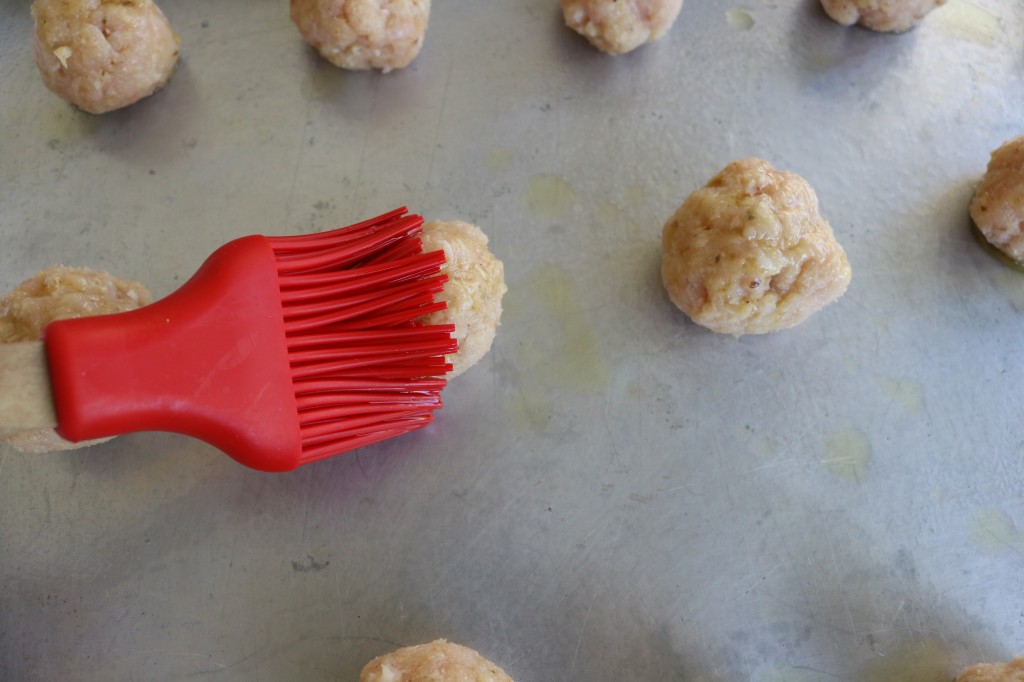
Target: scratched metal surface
x,y
613,493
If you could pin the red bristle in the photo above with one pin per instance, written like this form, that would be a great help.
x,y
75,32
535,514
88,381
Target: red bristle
x,y
380,373
356,300
355,425
362,369
400,318
403,249
411,300
414,420
320,400
370,350
312,387
411,360
410,365
340,364
317,285
335,339
376,281
315,240
367,434
423,369
341,253
383,218
315,453
313,434
324,421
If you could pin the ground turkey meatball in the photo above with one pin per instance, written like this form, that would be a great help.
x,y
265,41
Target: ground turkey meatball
x,y
890,16
476,284
364,34
56,294
998,206
438,661
749,253
619,26
997,672
102,55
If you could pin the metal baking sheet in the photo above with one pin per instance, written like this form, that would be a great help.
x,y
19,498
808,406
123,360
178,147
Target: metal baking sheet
x,y
613,493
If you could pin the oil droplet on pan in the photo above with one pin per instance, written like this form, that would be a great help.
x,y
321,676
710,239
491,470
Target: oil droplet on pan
x,y
799,675
531,410
635,195
967,21
566,356
847,453
611,215
499,159
907,392
929,660
740,19
994,532
577,361
549,196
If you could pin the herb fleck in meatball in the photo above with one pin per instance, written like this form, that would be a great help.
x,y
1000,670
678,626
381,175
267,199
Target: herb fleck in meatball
x,y
102,55
473,292
619,26
749,253
889,16
59,293
996,672
364,34
438,661
998,206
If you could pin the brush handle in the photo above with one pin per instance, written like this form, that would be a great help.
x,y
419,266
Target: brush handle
x,y
26,402
208,361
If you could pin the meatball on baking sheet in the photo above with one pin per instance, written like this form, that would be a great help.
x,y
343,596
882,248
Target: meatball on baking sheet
x,y
613,492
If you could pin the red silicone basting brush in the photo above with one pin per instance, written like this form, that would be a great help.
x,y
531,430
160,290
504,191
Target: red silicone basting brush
x,y
280,351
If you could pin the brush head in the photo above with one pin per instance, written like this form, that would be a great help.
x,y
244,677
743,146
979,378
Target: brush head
x,y
279,351
362,370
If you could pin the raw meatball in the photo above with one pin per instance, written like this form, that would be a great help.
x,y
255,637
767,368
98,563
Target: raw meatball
x,y
749,253
55,294
890,16
997,672
617,27
438,661
476,284
998,205
102,55
364,34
